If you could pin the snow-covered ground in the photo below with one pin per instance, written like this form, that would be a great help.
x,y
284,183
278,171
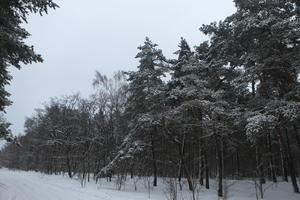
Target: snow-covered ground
x,y
19,185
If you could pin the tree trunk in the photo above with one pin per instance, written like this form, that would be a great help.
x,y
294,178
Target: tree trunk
x,y
297,136
291,164
206,171
181,148
180,174
188,176
201,158
271,159
68,162
238,163
69,166
219,163
259,165
259,171
201,167
153,161
283,158
253,88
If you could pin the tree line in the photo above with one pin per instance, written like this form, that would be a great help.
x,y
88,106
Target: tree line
x,y
229,109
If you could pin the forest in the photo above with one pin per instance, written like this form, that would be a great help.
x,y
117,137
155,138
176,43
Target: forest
x,y
227,108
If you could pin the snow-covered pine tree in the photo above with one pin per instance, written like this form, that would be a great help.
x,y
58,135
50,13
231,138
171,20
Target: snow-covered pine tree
x,y
198,107
143,107
13,50
174,124
5,132
262,38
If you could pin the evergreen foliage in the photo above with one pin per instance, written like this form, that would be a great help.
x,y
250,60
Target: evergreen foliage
x,y
13,50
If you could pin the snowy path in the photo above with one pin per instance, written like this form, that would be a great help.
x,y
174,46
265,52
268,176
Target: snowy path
x,y
21,186
15,185
18,185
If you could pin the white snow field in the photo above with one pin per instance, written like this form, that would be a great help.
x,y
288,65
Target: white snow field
x,y
19,185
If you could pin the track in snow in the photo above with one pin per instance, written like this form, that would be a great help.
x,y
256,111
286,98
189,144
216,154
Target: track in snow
x,y
19,185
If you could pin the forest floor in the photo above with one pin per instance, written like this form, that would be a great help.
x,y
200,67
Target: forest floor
x,y
19,185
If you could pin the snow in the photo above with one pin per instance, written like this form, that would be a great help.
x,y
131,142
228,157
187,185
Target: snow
x,y
19,185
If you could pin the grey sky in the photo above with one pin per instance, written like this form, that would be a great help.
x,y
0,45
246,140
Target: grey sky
x,y
83,36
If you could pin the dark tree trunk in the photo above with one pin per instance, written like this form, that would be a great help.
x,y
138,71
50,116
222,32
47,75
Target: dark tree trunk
x,y
271,160
259,172
219,155
201,164
297,136
188,176
181,149
259,165
201,167
206,171
69,166
132,170
238,163
283,157
180,174
291,163
154,161
253,87
68,162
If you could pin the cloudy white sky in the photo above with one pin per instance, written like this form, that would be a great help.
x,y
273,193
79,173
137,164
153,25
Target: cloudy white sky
x,y
83,36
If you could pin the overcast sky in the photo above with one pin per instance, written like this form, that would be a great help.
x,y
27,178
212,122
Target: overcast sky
x,y
84,36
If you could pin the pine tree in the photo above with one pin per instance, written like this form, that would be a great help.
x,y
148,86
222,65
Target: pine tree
x,y
262,39
175,119
145,94
197,96
143,105
5,132
13,51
